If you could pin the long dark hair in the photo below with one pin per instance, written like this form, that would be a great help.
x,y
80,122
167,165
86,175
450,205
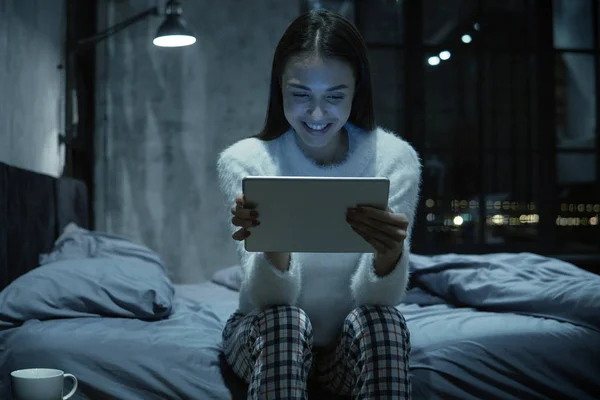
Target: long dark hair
x,y
339,39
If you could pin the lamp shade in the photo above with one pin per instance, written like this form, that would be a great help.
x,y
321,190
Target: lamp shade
x,y
173,32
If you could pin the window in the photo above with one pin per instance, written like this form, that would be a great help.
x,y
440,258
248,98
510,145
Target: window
x,y
499,99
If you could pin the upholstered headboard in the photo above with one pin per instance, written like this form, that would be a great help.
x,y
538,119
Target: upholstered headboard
x,y
34,209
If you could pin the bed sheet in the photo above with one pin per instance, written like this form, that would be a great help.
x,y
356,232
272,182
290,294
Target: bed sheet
x,y
123,358
463,353
456,352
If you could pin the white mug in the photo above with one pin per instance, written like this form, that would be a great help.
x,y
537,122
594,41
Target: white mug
x,y
40,384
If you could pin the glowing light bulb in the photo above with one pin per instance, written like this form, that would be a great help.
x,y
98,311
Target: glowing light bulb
x,y
435,60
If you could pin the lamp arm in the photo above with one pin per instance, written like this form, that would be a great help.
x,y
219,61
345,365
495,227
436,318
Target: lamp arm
x,y
154,11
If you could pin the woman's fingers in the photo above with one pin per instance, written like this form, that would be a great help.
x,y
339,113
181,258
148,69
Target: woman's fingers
x,y
243,217
244,223
377,244
243,213
393,225
393,232
374,234
240,234
388,216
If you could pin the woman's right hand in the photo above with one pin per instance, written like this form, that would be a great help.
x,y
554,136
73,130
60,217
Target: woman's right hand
x,y
243,217
246,218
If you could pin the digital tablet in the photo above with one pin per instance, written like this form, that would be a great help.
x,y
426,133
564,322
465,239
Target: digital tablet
x,y
308,214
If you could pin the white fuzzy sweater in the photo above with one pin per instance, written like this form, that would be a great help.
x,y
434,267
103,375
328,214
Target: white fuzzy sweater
x,y
327,286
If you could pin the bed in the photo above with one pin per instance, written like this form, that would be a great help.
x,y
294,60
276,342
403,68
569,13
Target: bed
x,y
495,326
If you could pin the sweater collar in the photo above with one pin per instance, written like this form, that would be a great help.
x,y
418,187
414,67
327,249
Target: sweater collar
x,y
361,150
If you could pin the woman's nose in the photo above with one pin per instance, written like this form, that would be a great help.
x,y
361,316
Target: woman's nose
x,y
316,113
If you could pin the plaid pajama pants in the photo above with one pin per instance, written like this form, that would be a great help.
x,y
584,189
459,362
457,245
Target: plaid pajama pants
x,y
272,351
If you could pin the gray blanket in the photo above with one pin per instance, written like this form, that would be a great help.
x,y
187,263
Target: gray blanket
x,y
495,326
523,283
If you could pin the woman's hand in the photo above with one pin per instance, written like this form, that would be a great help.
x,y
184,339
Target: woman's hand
x,y
382,229
246,218
243,217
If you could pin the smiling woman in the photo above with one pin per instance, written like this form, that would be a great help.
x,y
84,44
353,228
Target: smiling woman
x,y
316,107
320,53
300,309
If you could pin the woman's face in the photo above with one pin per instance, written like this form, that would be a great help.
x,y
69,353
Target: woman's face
x,y
317,98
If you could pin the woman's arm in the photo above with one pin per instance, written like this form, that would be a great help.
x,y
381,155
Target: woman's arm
x,y
279,260
383,279
271,279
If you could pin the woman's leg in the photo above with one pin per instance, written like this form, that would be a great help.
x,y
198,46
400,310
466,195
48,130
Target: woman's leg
x,y
271,350
370,360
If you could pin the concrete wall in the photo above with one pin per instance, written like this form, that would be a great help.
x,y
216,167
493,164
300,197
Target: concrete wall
x,y
164,115
32,42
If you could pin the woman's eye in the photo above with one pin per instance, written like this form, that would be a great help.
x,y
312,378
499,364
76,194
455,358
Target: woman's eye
x,y
304,95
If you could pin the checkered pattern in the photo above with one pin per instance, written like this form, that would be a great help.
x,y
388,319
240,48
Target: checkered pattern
x,y
370,360
272,350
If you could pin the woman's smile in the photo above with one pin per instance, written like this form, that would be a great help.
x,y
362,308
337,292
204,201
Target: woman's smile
x,y
316,129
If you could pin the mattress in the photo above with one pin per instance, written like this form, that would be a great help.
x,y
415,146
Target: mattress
x,y
499,349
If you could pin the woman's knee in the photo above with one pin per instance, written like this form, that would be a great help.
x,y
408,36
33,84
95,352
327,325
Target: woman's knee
x,y
251,339
287,321
377,319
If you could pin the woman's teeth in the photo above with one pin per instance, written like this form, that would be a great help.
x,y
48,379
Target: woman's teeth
x,y
317,127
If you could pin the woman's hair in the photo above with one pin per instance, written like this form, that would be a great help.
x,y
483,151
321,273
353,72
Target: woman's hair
x,y
329,35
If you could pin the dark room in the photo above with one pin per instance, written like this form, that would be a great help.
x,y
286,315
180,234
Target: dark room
x,y
299,199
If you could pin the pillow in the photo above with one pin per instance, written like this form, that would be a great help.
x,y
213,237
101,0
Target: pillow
x,y
89,287
77,243
230,277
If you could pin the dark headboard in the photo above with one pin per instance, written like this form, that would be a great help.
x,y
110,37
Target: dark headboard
x,y
34,209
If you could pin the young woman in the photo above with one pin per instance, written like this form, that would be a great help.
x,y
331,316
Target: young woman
x,y
327,317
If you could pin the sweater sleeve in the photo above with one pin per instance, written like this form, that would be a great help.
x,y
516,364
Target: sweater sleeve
x,y
265,284
366,286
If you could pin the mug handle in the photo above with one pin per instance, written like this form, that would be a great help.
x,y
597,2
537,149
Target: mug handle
x,y
72,392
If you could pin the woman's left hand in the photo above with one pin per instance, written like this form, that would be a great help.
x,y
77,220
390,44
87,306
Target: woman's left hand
x,y
383,229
